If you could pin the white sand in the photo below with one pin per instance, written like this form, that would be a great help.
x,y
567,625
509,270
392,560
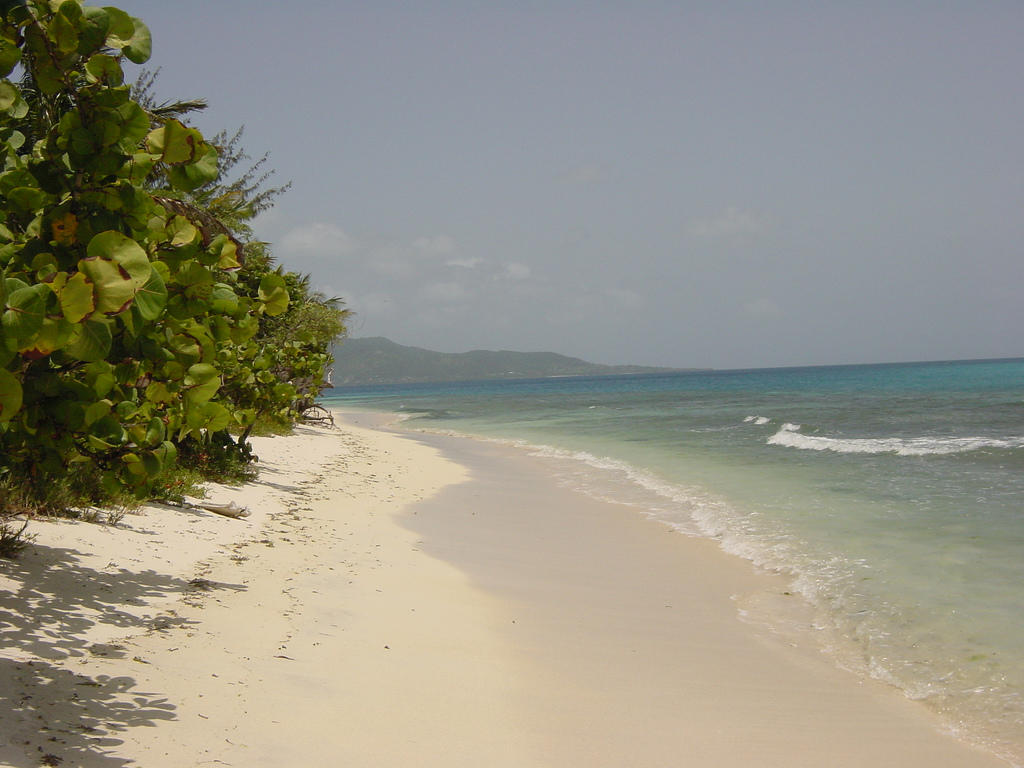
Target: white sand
x,y
380,607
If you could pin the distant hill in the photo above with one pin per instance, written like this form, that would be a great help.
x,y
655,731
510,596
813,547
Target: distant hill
x,y
377,360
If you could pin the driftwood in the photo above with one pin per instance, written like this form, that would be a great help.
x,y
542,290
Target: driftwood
x,y
315,414
228,510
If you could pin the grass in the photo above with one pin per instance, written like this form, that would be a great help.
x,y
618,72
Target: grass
x,y
13,540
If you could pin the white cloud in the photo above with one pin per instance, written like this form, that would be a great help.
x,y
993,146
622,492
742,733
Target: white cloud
x,y
730,224
467,263
318,240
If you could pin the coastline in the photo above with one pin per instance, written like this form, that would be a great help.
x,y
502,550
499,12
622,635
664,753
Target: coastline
x,y
407,599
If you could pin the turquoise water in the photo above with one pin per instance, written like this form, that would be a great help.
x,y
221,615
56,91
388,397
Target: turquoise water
x,y
891,495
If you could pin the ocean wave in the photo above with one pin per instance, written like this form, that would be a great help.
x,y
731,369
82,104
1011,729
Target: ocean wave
x,y
789,436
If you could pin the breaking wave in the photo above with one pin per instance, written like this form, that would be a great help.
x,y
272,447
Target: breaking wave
x,y
789,436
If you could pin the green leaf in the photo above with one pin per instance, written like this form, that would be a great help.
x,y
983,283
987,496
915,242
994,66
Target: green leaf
x,y
105,69
158,392
152,463
209,417
112,97
180,231
54,334
273,292
8,95
6,6
96,411
203,381
134,123
107,433
95,27
10,395
140,47
175,143
129,35
76,297
151,298
91,341
125,251
10,55
64,31
26,310
156,432
112,285
100,377
26,198
193,175
197,280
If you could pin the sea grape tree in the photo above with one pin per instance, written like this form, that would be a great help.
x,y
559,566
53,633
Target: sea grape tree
x,y
115,309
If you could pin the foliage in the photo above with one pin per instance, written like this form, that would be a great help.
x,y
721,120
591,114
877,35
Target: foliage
x,y
283,367
120,320
69,494
13,540
276,374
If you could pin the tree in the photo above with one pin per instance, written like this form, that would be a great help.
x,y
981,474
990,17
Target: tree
x,y
116,308
279,372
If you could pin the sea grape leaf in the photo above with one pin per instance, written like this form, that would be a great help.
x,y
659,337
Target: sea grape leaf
x,y
106,433
54,334
156,431
97,411
26,309
26,198
64,228
93,31
175,143
212,417
10,395
134,122
112,285
194,174
100,376
151,297
8,95
76,297
125,251
63,31
159,392
104,68
120,27
197,280
91,341
10,55
273,292
203,381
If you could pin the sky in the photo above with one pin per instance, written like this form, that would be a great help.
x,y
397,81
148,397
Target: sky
x,y
690,184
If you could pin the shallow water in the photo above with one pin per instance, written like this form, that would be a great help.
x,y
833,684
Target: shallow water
x,y
892,495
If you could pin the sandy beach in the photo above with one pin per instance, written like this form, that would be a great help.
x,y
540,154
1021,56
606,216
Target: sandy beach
x,y
421,600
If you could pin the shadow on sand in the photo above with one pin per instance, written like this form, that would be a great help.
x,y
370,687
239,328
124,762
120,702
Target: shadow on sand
x,y
50,714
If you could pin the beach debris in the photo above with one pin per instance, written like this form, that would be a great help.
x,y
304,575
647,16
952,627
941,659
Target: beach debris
x,y
228,510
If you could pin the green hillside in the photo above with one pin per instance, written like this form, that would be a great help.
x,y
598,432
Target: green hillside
x,y
377,360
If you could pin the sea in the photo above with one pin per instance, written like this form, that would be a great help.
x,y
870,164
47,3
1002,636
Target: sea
x,y
891,496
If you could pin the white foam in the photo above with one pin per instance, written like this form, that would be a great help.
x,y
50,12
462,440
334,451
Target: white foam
x,y
757,420
790,437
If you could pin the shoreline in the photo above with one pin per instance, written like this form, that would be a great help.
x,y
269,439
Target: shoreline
x,y
407,599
